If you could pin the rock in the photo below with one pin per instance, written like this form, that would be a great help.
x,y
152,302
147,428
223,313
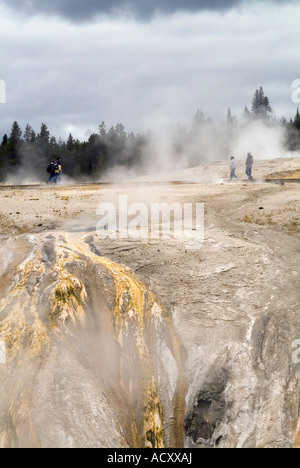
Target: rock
x,y
207,411
96,359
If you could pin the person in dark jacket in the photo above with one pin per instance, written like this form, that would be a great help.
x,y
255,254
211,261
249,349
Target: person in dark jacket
x,y
58,171
51,172
249,164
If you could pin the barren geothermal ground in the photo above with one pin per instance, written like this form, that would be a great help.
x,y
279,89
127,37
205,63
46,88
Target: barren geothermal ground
x,y
140,340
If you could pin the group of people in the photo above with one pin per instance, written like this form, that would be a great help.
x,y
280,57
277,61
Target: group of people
x,y
55,172
249,165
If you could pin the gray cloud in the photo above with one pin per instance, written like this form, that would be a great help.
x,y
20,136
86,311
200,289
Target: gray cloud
x,y
73,76
85,10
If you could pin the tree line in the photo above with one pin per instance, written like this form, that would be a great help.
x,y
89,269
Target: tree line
x,y
107,149
102,151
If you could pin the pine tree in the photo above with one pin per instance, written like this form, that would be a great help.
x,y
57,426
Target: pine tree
x,y
247,113
16,134
70,142
54,148
231,119
44,136
261,105
199,118
102,131
29,135
296,122
4,140
14,145
293,133
43,143
3,157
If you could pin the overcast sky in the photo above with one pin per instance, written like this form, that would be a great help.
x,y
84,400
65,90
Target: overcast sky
x,y
75,63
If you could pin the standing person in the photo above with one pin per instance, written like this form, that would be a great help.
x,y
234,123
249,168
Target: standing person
x,y
233,168
249,164
58,171
51,172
